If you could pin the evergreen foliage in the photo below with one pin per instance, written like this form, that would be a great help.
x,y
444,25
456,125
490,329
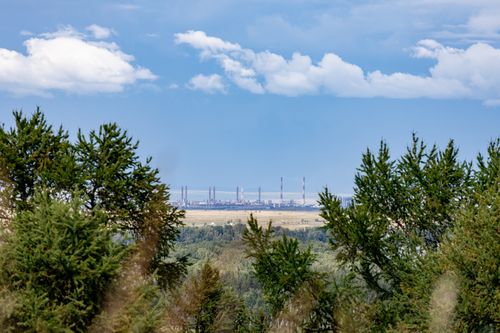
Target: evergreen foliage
x,y
298,297
473,254
34,155
400,208
59,261
204,305
280,266
113,178
97,187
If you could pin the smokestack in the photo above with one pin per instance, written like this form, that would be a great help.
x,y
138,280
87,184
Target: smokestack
x,y
209,194
182,195
304,191
237,194
186,195
281,191
259,196
213,193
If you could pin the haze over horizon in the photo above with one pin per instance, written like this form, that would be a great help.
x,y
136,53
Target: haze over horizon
x,y
242,93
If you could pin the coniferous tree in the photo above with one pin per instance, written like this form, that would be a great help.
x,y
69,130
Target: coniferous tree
x,y
489,167
132,194
472,254
471,251
34,155
399,209
280,266
109,176
59,261
298,297
204,305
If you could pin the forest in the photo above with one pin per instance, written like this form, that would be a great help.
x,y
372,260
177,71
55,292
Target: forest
x,y
90,243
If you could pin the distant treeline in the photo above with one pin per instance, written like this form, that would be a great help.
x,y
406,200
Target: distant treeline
x,y
229,233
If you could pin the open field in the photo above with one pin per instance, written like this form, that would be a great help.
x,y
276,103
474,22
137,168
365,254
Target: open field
x,y
285,219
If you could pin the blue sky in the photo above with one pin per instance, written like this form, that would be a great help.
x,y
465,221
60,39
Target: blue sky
x,y
230,93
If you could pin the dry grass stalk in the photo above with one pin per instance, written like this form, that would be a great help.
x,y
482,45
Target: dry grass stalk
x,y
125,289
295,313
442,303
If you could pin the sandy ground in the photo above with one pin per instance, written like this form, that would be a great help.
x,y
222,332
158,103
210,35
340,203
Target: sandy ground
x,y
286,219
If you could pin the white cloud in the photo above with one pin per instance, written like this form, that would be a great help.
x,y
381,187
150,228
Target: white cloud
x,y
208,44
25,33
486,22
207,83
100,32
63,31
66,60
473,72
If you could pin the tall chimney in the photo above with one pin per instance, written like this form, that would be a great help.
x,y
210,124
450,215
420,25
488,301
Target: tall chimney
x,y
304,191
260,201
186,195
281,191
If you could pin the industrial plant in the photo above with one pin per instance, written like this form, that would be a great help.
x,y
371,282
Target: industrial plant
x,y
239,202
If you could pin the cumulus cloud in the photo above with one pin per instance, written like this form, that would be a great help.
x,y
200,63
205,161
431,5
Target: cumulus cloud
x,y
207,83
66,60
473,72
100,32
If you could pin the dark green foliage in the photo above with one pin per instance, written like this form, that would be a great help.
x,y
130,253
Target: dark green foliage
x,y
400,208
472,250
115,191
211,289
280,266
489,168
114,179
106,170
393,233
473,254
60,262
33,155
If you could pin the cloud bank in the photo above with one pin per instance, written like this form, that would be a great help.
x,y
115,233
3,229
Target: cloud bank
x,y
207,83
70,61
100,32
472,73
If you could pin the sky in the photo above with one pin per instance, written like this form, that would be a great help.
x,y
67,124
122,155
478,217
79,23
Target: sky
x,y
226,93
